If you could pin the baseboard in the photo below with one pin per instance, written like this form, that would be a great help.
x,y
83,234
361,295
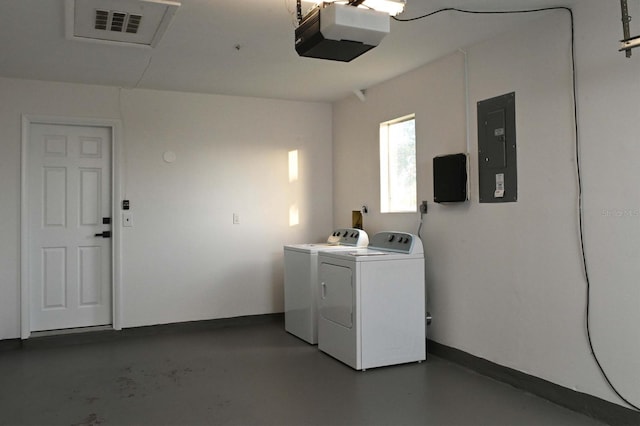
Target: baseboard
x,y
589,405
9,344
151,330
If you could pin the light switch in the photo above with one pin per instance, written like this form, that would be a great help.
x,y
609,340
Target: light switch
x,y
127,220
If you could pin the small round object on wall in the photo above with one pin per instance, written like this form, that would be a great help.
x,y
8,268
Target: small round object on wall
x,y
169,157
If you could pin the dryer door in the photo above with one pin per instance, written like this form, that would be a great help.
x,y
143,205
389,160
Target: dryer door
x,y
336,293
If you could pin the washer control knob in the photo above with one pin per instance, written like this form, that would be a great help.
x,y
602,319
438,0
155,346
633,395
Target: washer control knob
x,y
391,238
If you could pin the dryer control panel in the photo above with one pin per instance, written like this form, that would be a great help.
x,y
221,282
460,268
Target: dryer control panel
x,y
401,242
349,237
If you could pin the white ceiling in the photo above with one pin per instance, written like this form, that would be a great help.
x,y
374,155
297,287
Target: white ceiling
x,y
198,51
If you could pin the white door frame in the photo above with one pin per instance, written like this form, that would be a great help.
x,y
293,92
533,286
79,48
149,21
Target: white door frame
x,y
116,223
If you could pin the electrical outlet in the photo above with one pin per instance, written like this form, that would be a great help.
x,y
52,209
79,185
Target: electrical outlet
x,y
236,219
423,207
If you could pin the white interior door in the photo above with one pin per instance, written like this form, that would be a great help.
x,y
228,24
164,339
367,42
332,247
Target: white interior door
x,y
69,194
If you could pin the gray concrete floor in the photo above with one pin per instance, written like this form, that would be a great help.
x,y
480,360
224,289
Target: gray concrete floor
x,y
251,374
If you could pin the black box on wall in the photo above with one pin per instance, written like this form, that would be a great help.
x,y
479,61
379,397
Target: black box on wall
x,y
450,178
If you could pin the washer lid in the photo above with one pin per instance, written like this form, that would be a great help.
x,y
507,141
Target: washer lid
x,y
365,255
339,239
314,248
368,252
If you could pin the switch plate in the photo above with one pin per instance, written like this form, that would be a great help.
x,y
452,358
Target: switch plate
x,y
127,220
236,219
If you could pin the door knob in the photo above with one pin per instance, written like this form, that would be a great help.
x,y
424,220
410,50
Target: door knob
x,y
105,234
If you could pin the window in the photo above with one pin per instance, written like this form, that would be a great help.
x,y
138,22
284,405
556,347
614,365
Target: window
x,y
398,165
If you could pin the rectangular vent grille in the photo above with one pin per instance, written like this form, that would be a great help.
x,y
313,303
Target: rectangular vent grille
x,y
109,20
102,17
133,24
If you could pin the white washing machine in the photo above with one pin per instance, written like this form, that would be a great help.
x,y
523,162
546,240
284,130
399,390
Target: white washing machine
x,y
301,280
371,311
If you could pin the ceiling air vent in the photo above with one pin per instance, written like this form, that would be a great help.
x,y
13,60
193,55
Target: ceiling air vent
x,y
108,20
138,23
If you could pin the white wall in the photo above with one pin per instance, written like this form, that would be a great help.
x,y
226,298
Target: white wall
x,y
505,281
609,103
184,259
232,157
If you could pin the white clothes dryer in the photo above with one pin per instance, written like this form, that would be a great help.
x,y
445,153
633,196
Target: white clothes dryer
x,y
301,280
371,311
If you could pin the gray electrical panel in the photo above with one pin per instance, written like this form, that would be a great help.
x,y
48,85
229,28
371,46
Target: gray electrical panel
x,y
497,160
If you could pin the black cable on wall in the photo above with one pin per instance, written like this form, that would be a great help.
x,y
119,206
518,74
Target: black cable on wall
x,y
578,165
